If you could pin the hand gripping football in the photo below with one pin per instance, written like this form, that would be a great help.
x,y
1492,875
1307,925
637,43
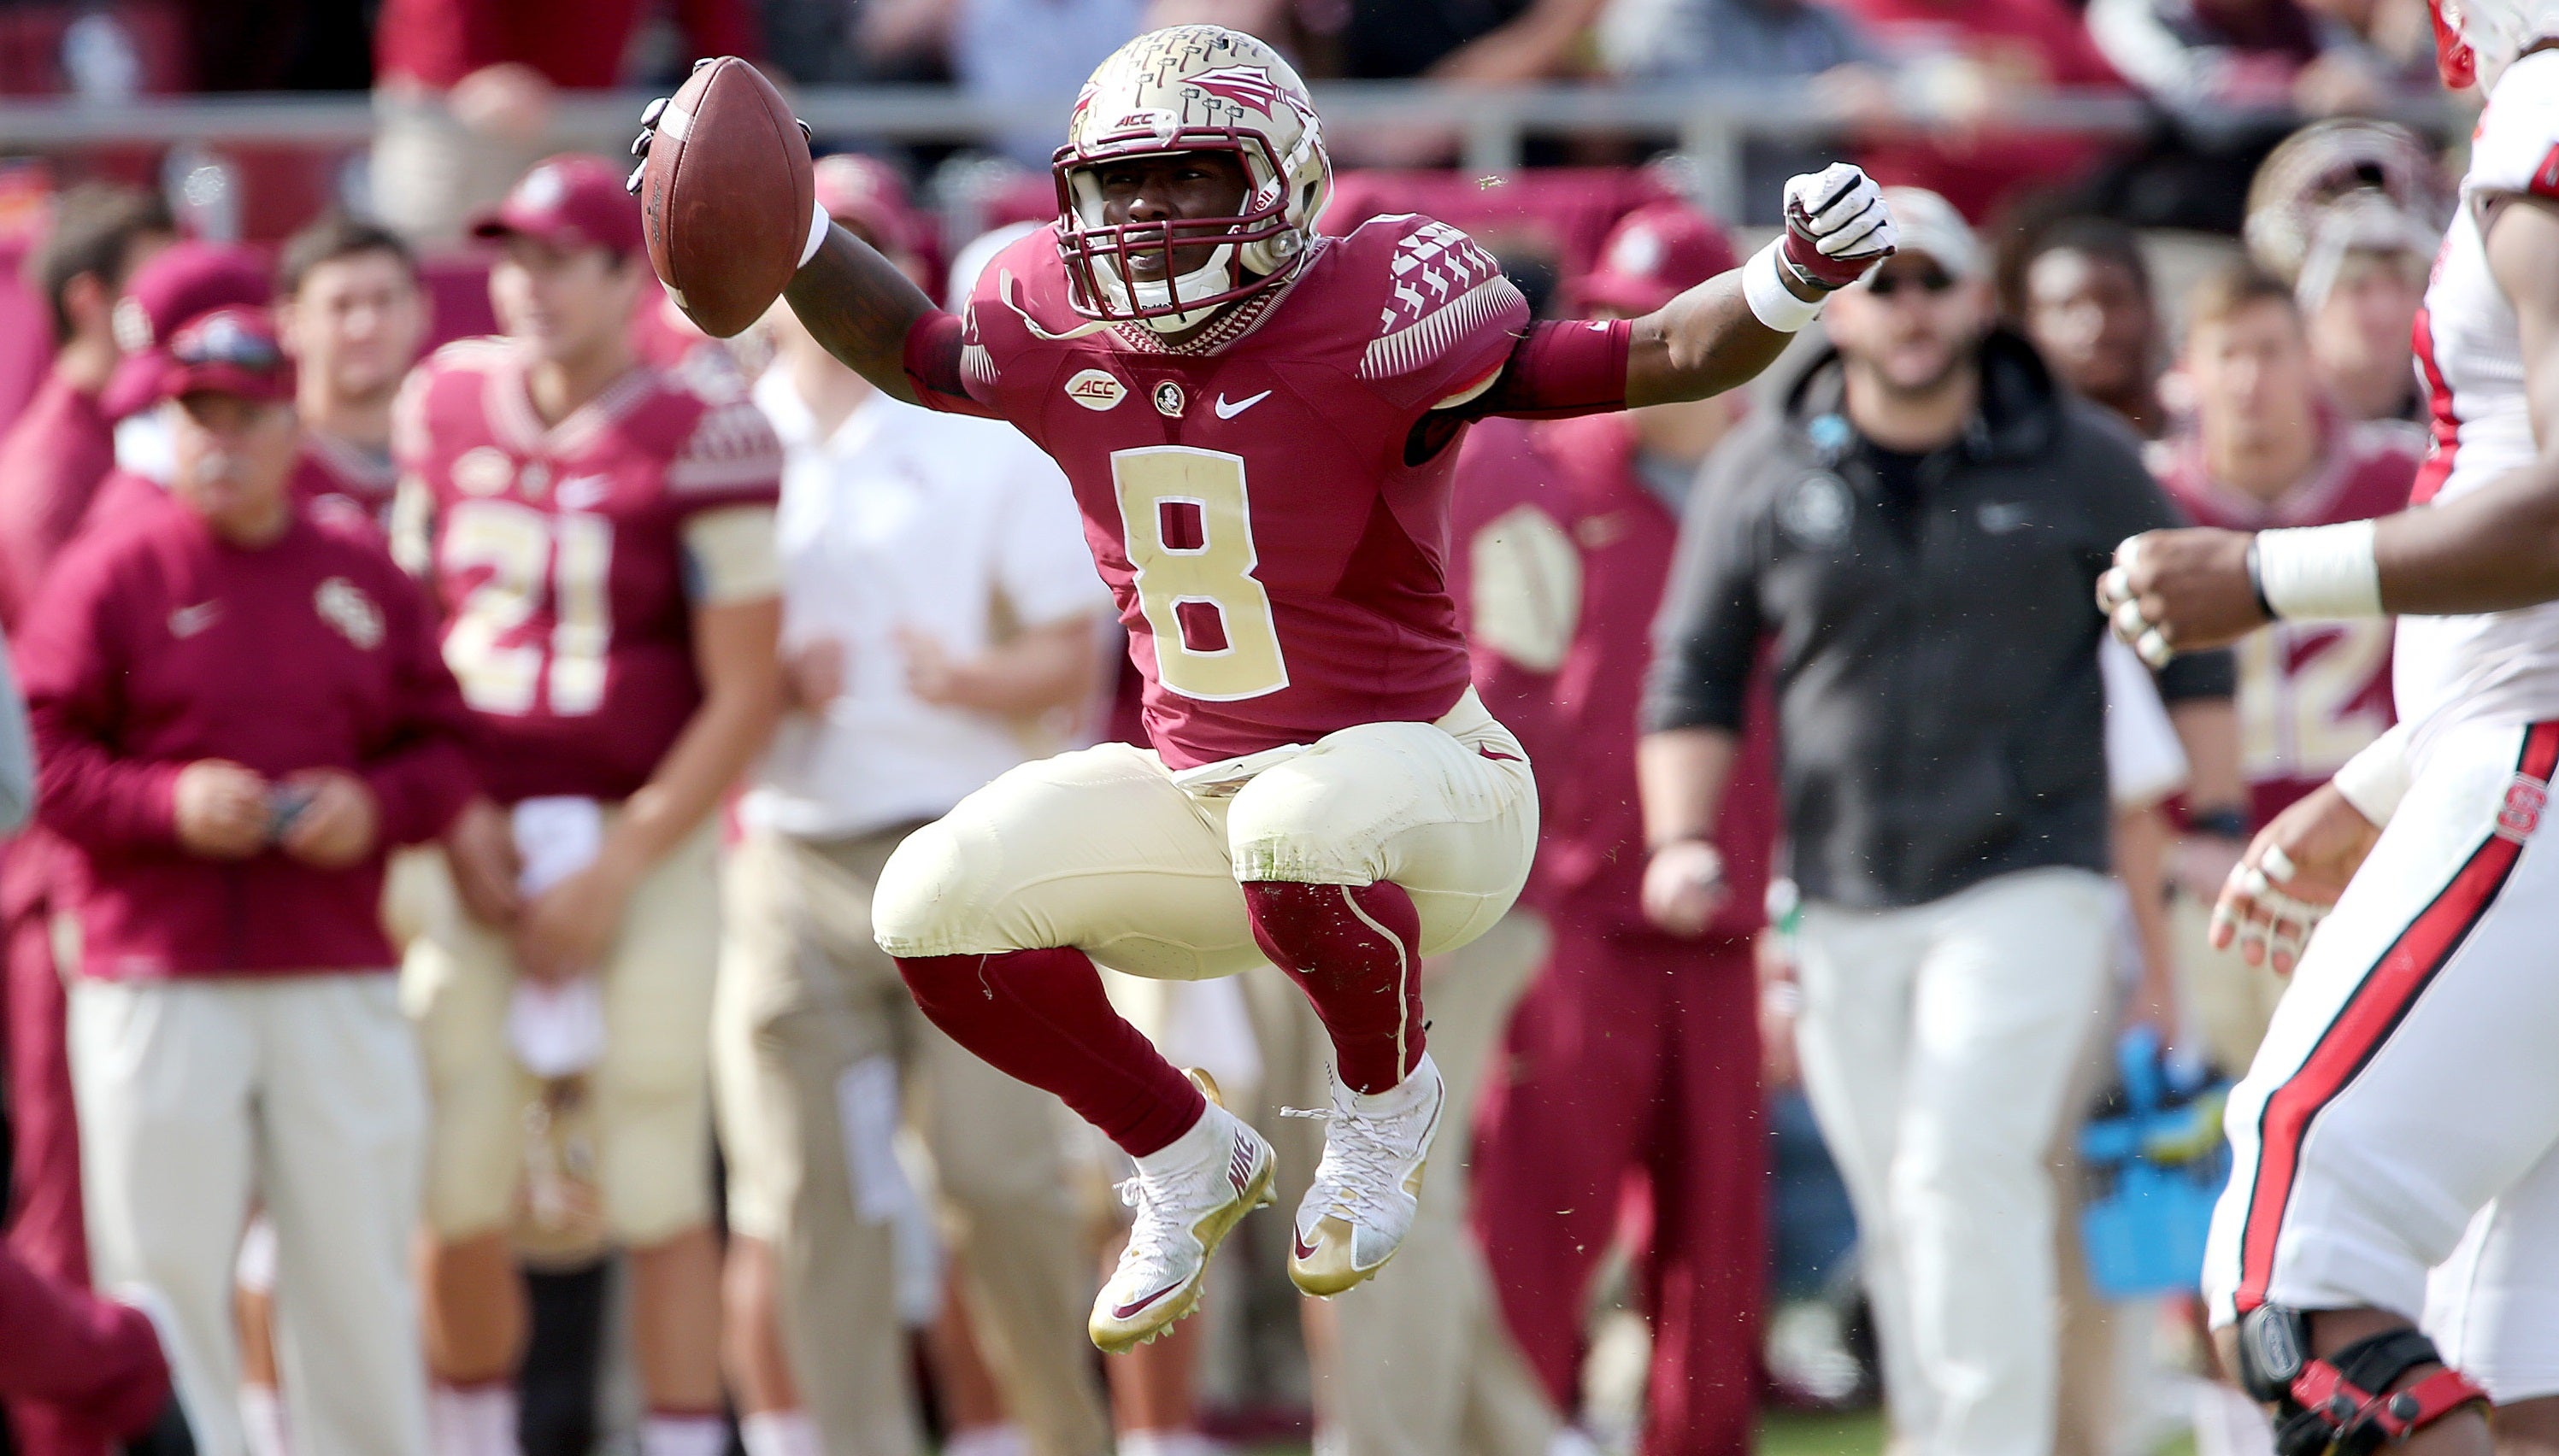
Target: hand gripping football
x,y
725,193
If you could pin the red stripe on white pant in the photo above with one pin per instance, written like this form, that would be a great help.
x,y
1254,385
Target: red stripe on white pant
x,y
2367,1020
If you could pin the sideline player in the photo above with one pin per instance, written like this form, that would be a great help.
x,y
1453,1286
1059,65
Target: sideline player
x,y
2406,1092
2269,447
354,313
599,537
1257,422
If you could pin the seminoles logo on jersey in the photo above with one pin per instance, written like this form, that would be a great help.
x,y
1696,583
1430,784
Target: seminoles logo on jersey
x,y
343,604
2521,814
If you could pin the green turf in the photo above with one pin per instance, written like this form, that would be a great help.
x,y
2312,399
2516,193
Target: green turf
x,y
1802,1435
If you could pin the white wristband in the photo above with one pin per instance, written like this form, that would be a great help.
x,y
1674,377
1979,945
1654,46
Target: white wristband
x,y
2376,779
1764,287
818,227
2319,572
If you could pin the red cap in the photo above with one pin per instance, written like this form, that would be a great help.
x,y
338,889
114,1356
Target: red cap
x,y
568,202
180,283
230,350
1654,254
866,193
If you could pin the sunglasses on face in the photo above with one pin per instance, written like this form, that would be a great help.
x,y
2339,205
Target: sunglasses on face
x,y
1926,280
226,344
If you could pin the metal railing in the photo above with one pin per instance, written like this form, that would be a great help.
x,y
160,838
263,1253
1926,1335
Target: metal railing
x,y
1707,122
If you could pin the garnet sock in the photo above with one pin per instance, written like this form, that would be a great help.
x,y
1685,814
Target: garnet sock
x,y
1041,1016
1356,951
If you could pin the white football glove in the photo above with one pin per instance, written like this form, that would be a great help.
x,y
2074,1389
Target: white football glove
x,y
1836,226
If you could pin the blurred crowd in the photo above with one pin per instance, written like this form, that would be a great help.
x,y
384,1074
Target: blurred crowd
x,y
685,1164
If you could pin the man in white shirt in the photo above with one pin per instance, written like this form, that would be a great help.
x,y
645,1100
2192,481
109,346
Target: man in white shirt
x,y
941,615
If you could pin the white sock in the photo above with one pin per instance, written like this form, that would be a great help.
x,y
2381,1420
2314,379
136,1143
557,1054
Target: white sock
x,y
1208,1140
784,1433
683,1435
1404,1097
472,1420
1005,1439
261,1410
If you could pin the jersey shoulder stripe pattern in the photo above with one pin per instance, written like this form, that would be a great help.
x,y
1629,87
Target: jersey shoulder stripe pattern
x,y
731,446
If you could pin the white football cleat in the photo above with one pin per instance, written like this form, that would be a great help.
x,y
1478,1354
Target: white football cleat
x,y
1184,1214
1368,1186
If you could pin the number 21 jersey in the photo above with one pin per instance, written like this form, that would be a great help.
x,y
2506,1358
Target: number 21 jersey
x,y
566,559
1275,556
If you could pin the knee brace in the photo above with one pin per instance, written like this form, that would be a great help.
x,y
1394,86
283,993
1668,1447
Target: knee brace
x,y
2338,1406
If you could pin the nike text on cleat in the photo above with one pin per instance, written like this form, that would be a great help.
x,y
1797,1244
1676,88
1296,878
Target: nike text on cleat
x,y
1184,1214
1369,1184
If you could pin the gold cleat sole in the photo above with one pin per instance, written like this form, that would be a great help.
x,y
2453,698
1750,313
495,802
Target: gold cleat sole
x,y
1326,1269
1128,1328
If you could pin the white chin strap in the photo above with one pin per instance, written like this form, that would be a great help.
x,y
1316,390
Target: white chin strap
x,y
1215,276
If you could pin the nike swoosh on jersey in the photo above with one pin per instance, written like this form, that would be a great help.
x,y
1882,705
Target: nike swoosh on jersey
x,y
187,620
1123,1311
1230,411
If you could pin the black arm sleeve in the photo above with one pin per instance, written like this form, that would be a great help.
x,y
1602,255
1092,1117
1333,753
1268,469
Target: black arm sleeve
x,y
1706,638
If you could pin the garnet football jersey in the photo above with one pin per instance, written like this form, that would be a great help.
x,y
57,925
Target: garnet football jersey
x,y
340,476
1276,558
2312,694
557,556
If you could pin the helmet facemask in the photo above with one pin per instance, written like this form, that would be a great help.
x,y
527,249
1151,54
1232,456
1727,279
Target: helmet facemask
x,y
1251,248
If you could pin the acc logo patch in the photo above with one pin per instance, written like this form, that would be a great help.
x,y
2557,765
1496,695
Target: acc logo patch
x,y
2521,814
343,604
1095,390
483,470
1816,510
1169,399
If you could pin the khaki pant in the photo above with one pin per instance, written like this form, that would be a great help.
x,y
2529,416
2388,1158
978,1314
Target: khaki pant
x,y
1938,1044
1424,1364
2233,1001
1110,852
816,1045
651,1091
302,1093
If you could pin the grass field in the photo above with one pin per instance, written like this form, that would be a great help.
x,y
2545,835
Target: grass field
x,y
1803,1435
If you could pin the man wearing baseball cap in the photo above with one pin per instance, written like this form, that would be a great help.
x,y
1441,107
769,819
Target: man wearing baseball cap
x,y
902,530
1632,1058
234,1028
1918,527
598,536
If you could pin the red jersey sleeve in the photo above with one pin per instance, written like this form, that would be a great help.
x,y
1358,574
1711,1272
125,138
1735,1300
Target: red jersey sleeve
x,y
72,662
940,354
731,457
1446,319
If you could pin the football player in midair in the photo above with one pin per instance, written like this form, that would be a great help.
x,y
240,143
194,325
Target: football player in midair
x,y
2402,1116
1258,422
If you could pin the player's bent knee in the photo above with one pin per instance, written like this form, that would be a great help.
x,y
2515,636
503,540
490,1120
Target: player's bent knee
x,y
1315,820
932,895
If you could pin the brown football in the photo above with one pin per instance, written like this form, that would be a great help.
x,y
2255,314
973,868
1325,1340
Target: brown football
x,y
727,195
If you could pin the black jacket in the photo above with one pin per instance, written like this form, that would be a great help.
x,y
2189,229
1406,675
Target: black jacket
x,y
1941,716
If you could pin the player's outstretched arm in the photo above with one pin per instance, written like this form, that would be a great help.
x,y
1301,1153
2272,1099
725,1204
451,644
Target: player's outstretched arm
x,y
1724,331
863,309
856,302
2497,548
2492,551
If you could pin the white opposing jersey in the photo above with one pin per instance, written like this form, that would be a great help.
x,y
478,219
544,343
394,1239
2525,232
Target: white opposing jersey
x,y
2496,665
